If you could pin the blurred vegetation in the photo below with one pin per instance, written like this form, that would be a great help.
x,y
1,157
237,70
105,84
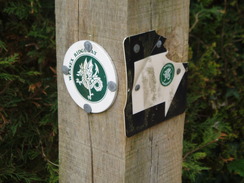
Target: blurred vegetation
x,y
214,132
28,92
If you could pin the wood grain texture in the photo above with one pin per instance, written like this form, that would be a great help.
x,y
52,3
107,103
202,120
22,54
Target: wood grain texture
x,y
154,156
93,148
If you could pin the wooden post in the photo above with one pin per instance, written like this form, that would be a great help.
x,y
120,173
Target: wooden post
x,y
93,148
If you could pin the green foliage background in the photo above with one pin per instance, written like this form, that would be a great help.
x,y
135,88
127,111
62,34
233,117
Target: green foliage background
x,y
214,132
28,93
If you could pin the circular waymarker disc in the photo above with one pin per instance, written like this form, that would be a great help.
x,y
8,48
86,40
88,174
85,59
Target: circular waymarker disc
x,y
88,76
167,74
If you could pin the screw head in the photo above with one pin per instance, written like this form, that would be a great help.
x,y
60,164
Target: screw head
x,y
136,48
112,86
137,87
65,70
87,108
178,71
88,46
159,43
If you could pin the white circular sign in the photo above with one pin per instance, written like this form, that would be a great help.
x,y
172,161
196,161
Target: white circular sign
x,y
90,76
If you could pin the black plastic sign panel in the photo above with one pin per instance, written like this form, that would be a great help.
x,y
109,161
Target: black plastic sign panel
x,y
156,86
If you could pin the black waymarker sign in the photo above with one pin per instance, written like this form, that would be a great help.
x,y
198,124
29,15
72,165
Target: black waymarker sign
x,y
156,85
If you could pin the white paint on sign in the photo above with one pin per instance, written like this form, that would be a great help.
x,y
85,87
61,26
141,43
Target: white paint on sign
x,y
158,78
91,75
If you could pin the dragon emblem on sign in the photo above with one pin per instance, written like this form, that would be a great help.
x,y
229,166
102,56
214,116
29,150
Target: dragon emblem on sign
x,y
88,77
167,74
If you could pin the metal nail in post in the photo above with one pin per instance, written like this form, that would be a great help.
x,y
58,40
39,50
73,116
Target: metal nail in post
x,y
178,71
137,87
136,48
88,46
112,86
87,108
159,43
65,70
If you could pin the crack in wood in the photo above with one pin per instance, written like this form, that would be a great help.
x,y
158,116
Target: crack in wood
x,y
91,149
151,165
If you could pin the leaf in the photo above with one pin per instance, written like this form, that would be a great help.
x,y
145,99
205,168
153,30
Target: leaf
x,y
32,73
199,155
18,9
3,45
11,77
237,166
232,92
192,169
9,61
228,159
34,86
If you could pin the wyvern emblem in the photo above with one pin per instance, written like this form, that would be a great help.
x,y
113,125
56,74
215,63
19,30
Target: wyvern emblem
x,y
167,74
89,79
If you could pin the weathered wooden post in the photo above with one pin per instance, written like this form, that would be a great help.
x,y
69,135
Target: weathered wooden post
x,y
93,147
